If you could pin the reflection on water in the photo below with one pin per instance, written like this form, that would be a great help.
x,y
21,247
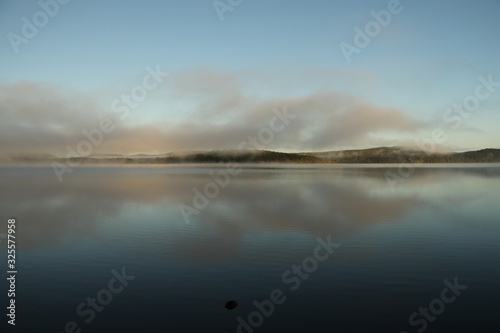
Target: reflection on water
x,y
397,245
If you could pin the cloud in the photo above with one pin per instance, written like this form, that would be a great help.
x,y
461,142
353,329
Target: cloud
x,y
202,108
41,116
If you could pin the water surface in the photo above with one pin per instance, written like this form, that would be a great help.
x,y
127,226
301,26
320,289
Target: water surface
x,y
398,243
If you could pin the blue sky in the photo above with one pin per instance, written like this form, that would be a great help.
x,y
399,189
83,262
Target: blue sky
x,y
226,76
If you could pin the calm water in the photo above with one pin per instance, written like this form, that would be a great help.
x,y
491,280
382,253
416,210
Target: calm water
x,y
397,246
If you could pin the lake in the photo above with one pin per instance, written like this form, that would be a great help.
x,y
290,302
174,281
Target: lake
x,y
301,248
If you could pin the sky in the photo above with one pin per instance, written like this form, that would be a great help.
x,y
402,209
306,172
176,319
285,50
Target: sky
x,y
157,76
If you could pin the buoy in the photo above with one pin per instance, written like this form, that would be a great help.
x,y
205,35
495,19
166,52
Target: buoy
x,y
230,305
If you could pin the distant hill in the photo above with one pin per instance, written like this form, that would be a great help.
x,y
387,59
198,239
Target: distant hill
x,y
401,154
373,155
484,155
264,156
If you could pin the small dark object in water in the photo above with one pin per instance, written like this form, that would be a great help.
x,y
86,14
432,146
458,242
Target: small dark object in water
x,y
231,305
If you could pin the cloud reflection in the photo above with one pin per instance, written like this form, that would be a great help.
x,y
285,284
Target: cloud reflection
x,y
336,201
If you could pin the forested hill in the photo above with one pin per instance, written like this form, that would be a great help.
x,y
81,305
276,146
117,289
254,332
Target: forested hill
x,y
400,154
373,155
